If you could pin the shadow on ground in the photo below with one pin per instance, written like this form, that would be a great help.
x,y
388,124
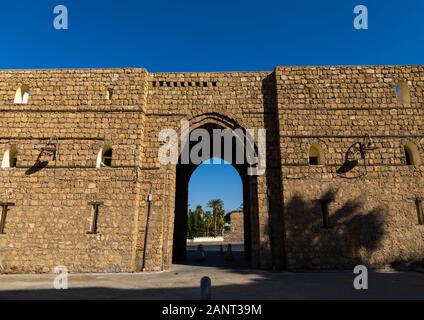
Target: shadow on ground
x,y
231,280
245,285
354,234
214,257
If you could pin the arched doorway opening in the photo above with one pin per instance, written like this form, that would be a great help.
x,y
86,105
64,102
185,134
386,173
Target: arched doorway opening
x,y
250,216
215,216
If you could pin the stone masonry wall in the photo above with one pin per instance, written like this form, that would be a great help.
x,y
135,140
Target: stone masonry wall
x,y
48,224
237,228
372,214
229,100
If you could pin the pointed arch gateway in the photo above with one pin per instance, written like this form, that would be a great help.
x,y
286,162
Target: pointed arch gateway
x,y
208,124
162,231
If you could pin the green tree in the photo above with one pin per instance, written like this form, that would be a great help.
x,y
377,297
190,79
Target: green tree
x,y
220,221
195,222
217,206
208,224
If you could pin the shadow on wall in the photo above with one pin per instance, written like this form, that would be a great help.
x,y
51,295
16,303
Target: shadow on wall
x,y
351,237
353,156
275,226
38,166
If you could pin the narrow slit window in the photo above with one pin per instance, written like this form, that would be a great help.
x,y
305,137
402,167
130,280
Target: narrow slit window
x,y
4,207
325,213
420,213
94,217
109,93
408,158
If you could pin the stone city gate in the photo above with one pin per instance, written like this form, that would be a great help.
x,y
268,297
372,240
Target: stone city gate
x,y
82,185
208,103
257,222
257,242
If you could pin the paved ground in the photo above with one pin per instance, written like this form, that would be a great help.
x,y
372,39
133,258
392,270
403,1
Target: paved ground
x,y
230,280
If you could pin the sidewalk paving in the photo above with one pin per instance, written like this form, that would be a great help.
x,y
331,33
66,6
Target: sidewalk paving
x,y
182,282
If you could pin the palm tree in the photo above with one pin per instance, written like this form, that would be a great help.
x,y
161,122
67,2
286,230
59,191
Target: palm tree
x,y
195,222
207,223
215,205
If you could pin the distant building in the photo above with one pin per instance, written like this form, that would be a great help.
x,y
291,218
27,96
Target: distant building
x,y
236,230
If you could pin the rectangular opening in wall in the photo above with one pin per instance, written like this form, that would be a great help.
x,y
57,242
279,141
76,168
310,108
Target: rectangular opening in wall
x,y
324,211
213,83
419,205
109,93
94,217
313,161
4,207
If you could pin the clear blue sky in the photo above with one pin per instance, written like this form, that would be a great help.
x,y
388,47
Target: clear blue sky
x,y
215,181
219,35
202,35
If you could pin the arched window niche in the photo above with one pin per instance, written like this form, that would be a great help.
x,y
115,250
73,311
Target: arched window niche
x,y
10,157
402,93
22,94
411,153
104,157
316,155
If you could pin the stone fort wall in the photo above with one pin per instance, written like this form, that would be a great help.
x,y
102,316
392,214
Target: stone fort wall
x,y
48,224
372,213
